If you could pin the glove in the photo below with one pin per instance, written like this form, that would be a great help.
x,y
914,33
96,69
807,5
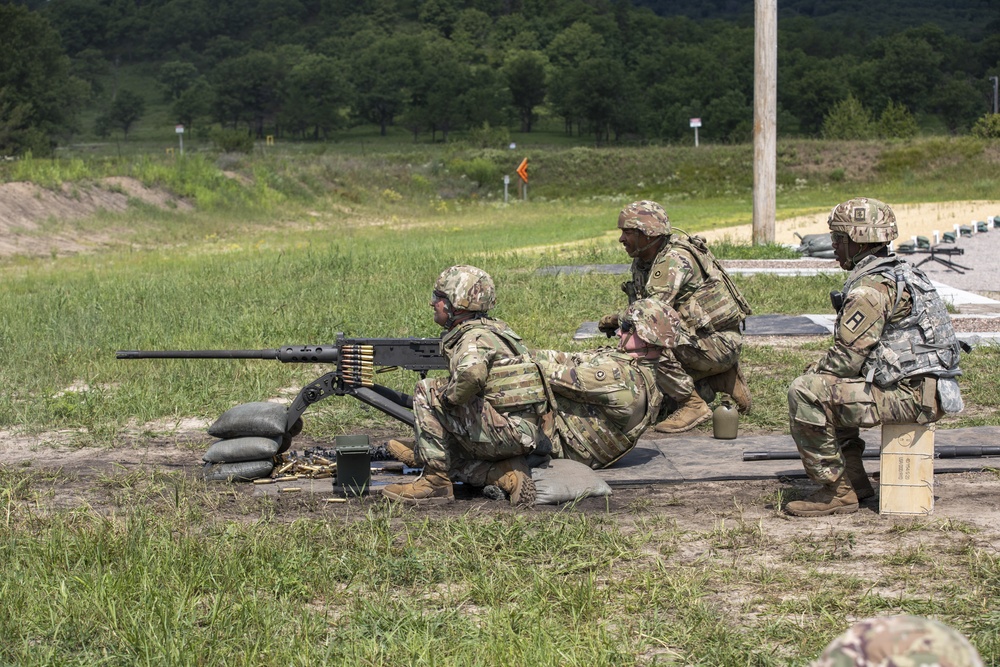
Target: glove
x,y
608,325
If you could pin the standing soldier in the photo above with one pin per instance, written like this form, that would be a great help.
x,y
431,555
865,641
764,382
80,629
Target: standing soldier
x,y
683,274
894,360
460,433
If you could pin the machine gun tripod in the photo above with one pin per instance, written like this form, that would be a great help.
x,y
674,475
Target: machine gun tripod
x,y
942,256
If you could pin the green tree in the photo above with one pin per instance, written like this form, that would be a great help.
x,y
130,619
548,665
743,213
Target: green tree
x,y
194,104
896,122
176,76
318,94
849,120
525,75
382,74
248,89
127,108
987,127
958,102
37,94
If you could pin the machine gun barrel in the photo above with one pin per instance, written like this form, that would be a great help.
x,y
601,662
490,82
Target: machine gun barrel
x,y
356,361
289,354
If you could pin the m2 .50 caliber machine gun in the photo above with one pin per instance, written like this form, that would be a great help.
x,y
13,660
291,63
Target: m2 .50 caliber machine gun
x,y
357,361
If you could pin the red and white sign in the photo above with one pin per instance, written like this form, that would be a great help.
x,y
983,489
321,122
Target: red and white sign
x,y
696,122
179,129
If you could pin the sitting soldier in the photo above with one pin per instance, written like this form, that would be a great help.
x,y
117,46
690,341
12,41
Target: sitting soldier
x,y
894,360
460,433
681,272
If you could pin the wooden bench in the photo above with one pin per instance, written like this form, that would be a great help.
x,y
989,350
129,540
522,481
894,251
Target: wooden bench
x,y
906,477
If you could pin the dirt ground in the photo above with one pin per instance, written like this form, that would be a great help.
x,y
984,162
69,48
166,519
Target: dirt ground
x,y
68,477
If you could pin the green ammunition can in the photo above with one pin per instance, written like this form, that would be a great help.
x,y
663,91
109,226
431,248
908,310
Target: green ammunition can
x,y
354,471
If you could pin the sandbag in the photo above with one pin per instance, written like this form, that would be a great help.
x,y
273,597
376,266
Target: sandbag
x,y
235,450
564,480
251,419
815,245
244,471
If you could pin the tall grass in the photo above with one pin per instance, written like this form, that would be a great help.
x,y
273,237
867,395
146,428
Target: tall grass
x,y
161,578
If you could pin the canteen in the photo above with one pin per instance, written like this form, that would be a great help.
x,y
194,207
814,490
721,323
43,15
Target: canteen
x,y
725,421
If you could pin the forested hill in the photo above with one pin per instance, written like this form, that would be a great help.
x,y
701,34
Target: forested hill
x,y
971,19
605,69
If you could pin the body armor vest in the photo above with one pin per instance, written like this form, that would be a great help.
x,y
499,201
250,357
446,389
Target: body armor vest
x,y
496,327
923,342
716,305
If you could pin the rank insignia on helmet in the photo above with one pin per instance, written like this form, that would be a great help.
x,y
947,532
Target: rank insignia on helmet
x,y
859,214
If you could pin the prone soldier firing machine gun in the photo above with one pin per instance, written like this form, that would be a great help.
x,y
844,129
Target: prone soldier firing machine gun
x,y
357,361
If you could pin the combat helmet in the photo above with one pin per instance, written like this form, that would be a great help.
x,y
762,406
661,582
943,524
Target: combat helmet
x,y
467,288
864,220
646,216
654,322
900,640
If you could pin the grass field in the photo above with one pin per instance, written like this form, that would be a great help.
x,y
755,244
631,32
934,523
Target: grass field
x,y
295,245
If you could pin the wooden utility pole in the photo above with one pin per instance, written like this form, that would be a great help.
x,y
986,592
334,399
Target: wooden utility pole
x,y
765,104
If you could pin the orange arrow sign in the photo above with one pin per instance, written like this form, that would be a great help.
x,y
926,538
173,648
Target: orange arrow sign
x,y
522,170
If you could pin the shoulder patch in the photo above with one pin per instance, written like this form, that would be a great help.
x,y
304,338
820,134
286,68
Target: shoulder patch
x,y
860,313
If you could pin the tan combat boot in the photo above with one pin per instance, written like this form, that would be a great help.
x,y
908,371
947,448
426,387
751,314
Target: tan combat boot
x,y
856,472
733,383
402,451
431,488
513,477
690,412
835,498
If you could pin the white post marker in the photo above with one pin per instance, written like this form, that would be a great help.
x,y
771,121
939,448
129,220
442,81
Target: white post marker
x,y
696,123
506,184
180,135
937,236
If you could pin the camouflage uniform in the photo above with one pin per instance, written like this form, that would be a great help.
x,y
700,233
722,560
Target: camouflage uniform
x,y
686,277
900,641
457,427
461,434
885,366
601,400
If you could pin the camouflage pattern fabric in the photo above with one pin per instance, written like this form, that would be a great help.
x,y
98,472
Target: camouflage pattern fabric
x,y
900,641
467,288
604,400
455,426
655,322
864,220
471,348
457,439
825,411
646,216
835,394
686,277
